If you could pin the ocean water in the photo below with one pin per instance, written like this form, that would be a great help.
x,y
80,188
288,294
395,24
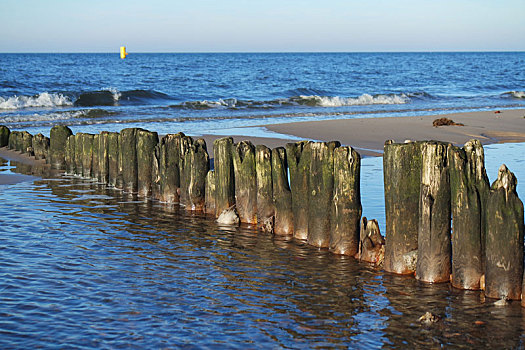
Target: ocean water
x,y
205,93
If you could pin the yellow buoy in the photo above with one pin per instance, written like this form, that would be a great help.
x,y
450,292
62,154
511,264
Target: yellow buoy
x,y
123,52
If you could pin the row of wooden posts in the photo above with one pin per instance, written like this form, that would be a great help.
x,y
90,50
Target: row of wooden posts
x,y
444,222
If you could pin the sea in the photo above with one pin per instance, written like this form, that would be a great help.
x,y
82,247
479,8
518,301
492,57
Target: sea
x,y
85,266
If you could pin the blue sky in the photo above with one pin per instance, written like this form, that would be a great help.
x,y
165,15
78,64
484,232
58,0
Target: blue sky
x,y
269,25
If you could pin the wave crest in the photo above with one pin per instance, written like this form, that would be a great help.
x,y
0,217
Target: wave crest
x,y
515,94
44,99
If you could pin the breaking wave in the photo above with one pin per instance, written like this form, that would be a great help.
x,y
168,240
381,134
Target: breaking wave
x,y
114,97
44,99
515,94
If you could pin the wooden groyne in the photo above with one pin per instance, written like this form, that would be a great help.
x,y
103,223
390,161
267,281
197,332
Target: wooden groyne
x,y
444,223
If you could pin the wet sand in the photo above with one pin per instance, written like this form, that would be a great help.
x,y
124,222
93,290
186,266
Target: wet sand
x,y
11,178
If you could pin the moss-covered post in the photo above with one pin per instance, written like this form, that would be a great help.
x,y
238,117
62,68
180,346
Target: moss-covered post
x,y
27,143
346,207
504,241
245,181
185,166
209,207
128,159
434,247
70,163
169,168
57,145
95,161
282,196
146,143
265,205
41,146
467,175
371,243
402,164
78,144
87,154
113,158
103,173
224,175
4,135
13,139
199,167
298,155
320,196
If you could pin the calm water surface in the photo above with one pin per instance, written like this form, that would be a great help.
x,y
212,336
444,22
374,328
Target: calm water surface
x,y
84,266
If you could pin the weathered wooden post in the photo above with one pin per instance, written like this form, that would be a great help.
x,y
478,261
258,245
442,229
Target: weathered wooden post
x,y
41,146
4,135
78,144
146,143
57,145
103,172
27,143
200,165
504,241
467,180
346,207
224,176
265,205
298,155
69,155
245,181
282,196
169,168
95,161
434,248
128,159
186,143
320,196
113,158
13,139
402,164
371,243
209,207
87,154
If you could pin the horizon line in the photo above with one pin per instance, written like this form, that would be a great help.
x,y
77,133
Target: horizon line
x,y
258,52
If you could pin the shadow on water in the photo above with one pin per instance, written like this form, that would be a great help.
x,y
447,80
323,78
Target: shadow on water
x,y
84,265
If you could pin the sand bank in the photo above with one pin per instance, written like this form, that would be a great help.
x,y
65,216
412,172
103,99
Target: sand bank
x,y
369,134
10,178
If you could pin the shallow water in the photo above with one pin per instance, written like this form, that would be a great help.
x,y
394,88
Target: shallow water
x,y
84,266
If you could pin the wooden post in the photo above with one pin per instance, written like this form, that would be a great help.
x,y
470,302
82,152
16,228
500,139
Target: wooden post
x,y
245,181
504,241
113,158
169,168
200,165
299,155
69,155
346,208
57,145
185,166
13,139
128,159
210,193
4,135
371,243
95,162
27,143
87,154
282,196
224,176
434,248
402,164
265,205
146,143
103,171
320,196
467,178
41,146
79,142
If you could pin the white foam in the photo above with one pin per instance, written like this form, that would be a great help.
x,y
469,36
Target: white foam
x,y
115,92
24,118
44,99
365,99
518,94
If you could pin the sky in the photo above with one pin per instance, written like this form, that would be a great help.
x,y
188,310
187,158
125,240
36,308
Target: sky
x,y
261,26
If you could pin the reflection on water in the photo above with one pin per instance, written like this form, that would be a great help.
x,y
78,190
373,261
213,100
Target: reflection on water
x,y
86,266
